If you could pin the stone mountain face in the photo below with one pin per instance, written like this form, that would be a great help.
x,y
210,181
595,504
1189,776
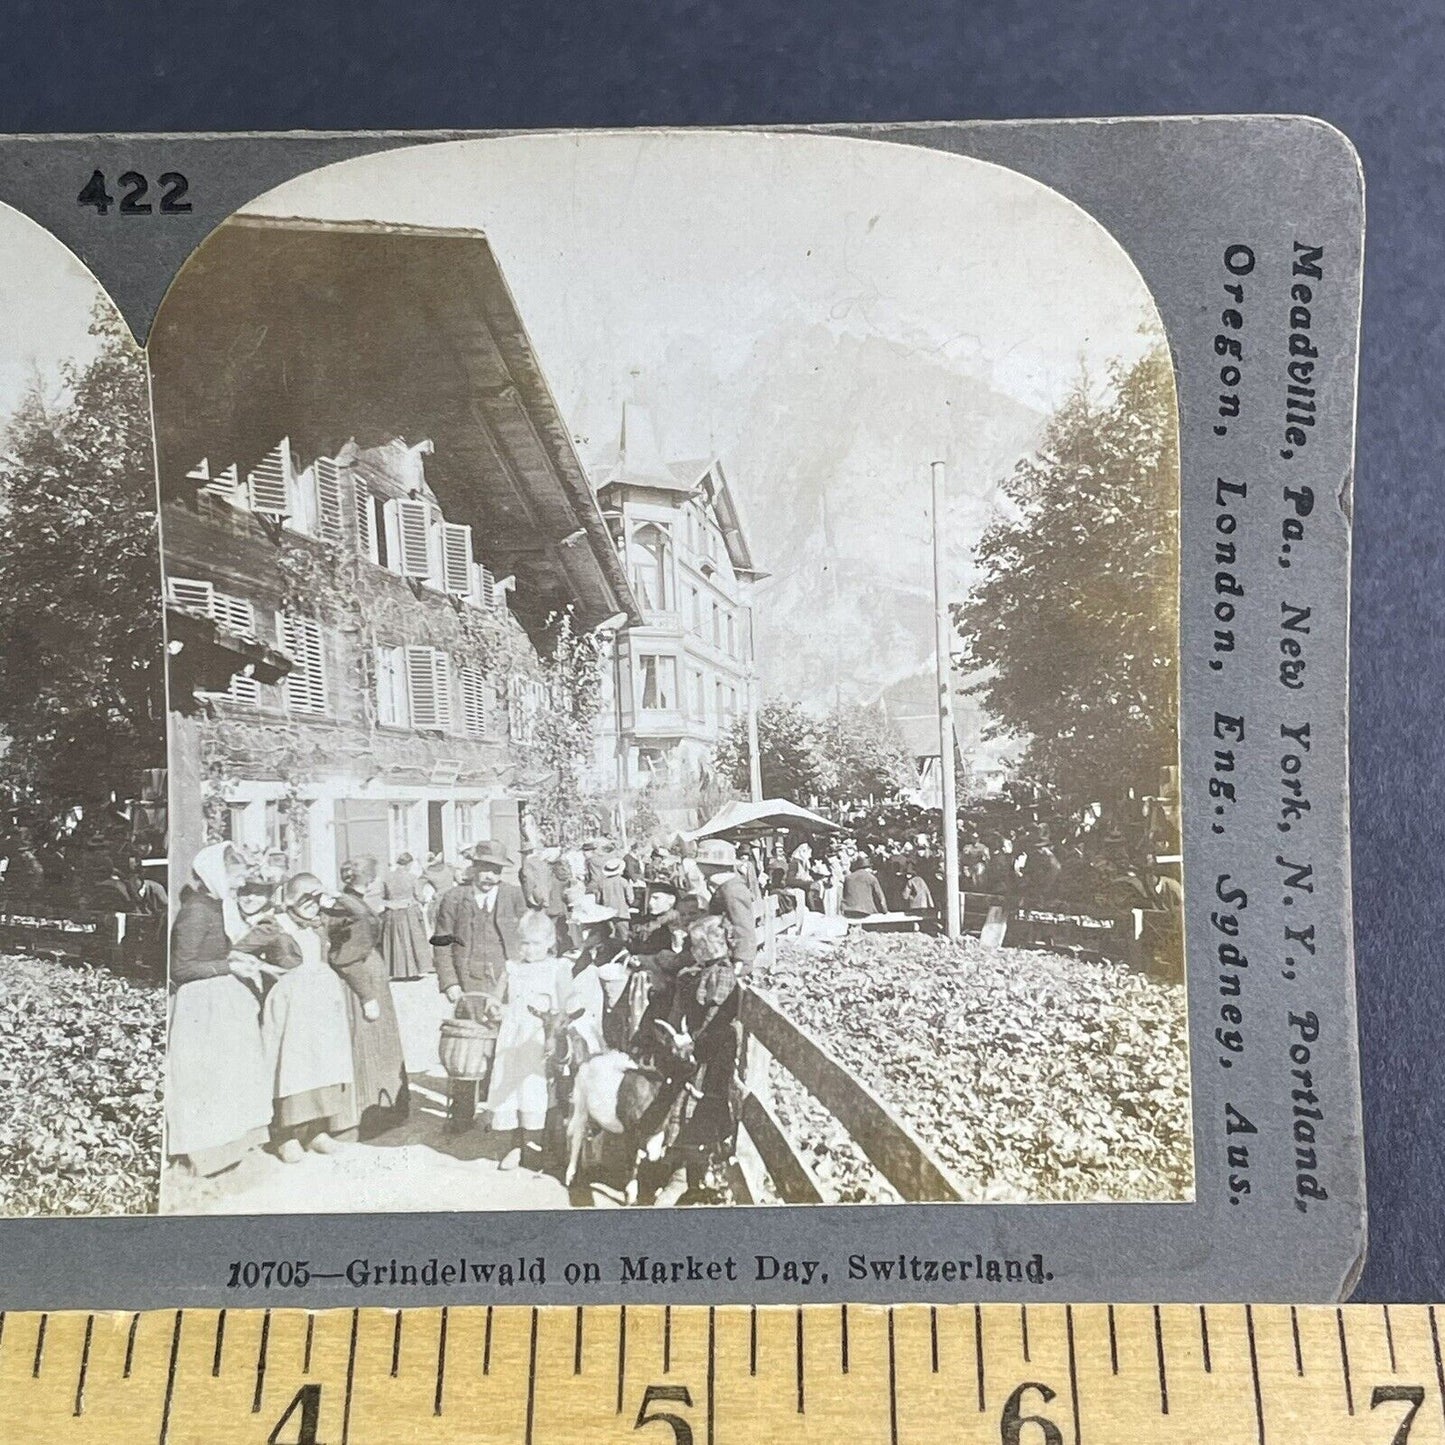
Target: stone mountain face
x,y
833,475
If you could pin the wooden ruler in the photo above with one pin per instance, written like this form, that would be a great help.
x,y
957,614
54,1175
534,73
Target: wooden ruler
x,y
731,1375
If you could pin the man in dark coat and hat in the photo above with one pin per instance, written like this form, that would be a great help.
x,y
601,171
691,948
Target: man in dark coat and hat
x,y
476,927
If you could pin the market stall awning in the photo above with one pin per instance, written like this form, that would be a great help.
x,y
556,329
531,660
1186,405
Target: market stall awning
x,y
751,820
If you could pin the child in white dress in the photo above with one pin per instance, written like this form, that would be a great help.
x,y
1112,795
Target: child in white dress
x,y
538,983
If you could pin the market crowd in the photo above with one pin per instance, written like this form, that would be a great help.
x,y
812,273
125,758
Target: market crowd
x,y
284,1033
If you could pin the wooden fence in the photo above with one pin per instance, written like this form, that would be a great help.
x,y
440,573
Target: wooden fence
x,y
763,1143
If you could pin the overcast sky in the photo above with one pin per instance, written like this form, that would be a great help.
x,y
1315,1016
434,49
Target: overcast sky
x,y
615,245
45,301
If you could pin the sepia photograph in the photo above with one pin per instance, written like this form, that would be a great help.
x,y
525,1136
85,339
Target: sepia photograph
x,y
673,659
83,901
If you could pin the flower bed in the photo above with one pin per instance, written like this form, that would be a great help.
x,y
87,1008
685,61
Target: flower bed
x,y
81,1070
1031,1076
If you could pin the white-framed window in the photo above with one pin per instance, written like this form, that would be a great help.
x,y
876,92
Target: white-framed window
x,y
269,483
429,688
305,685
698,696
408,537
366,536
526,699
454,548
191,593
732,633
717,627
392,709
329,499
657,681
474,702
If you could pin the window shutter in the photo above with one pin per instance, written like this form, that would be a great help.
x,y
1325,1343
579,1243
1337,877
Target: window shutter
x,y
486,591
269,485
366,542
330,524
239,616
428,682
456,558
408,537
305,684
195,596
474,702
391,699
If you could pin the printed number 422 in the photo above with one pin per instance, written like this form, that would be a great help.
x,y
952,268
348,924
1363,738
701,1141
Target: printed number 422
x,y
133,188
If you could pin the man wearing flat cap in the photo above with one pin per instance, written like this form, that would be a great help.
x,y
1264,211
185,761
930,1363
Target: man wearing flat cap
x,y
476,927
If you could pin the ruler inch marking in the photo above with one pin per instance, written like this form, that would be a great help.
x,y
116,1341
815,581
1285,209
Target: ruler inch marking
x,y
487,1345
933,1337
752,1340
396,1345
577,1343
436,1408
1159,1352
84,1367
892,1384
667,1339
261,1363
1024,1332
1204,1341
350,1379
621,1353
978,1353
130,1346
532,1380
798,1329
1073,1374
1389,1338
1299,1359
711,1371
1254,1371
844,1339
1113,1344
1345,1361
39,1347
1439,1366
170,1381
220,1344
310,1332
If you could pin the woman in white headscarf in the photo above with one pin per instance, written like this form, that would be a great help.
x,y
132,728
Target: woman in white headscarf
x,y
218,1090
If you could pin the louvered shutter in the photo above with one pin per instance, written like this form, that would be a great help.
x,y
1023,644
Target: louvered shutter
x,y
268,486
189,593
237,615
306,682
366,522
330,517
408,537
455,547
225,484
486,589
391,690
428,685
474,702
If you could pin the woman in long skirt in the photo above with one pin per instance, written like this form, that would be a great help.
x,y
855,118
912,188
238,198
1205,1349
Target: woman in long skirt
x,y
306,1029
404,934
218,1090
381,1099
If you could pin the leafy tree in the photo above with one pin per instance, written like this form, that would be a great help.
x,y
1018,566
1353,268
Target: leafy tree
x,y
81,652
849,754
787,752
563,732
1076,616
863,756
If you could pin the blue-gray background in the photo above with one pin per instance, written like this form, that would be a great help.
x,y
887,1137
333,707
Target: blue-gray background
x,y
1377,71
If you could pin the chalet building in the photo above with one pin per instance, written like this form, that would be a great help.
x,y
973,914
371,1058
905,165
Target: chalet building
x,y
372,516
680,676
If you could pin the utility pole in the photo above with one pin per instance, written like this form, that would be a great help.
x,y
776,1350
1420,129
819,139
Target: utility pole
x,y
755,763
944,663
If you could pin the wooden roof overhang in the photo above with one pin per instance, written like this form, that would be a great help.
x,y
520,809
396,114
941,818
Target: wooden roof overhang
x,y
327,331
